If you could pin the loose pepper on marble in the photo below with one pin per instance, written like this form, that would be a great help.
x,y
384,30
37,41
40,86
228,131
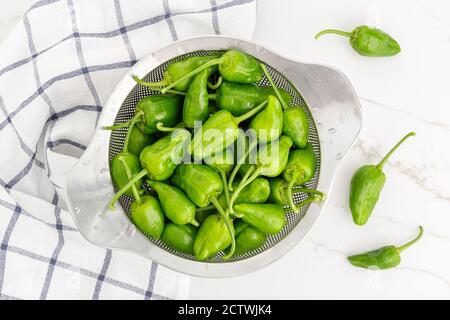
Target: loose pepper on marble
x,y
368,41
233,65
366,186
383,258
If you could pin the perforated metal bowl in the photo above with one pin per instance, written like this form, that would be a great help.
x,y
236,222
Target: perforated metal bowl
x,y
324,93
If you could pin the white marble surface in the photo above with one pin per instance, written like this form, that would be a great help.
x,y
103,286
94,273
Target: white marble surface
x,y
399,94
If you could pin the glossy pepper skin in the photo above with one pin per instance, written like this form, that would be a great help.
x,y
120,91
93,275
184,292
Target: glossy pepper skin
x,y
368,41
138,141
180,237
159,108
162,157
384,258
295,121
196,102
248,238
366,186
301,165
174,202
212,237
148,216
200,182
177,70
234,66
268,124
267,217
256,192
219,132
239,98
118,172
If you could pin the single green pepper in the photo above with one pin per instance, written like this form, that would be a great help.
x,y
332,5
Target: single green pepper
x,y
138,141
159,160
180,237
219,132
152,109
368,41
295,121
366,186
212,237
176,205
234,66
272,158
268,123
300,169
248,238
240,98
383,258
267,217
147,215
203,186
256,192
177,70
281,192
196,102
223,163
125,165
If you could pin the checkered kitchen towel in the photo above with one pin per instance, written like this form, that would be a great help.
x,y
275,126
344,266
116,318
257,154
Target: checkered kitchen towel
x,y
57,69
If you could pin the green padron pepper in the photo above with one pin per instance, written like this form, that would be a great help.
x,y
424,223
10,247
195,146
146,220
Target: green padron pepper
x,y
366,186
267,217
160,159
223,163
212,237
268,124
178,70
256,192
248,238
125,165
233,65
180,237
203,186
176,205
147,215
295,122
138,141
196,102
368,41
240,98
383,258
219,132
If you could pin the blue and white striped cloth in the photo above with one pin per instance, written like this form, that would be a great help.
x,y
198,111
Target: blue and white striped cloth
x,y
57,69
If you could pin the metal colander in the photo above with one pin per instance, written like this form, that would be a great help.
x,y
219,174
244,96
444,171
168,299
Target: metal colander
x,y
126,112
329,96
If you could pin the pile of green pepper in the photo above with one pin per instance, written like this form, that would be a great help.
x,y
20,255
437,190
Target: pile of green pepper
x,y
179,160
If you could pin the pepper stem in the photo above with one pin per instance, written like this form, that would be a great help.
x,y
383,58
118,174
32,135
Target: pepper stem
x,y
216,85
118,126
226,220
223,176
130,128
245,182
129,175
212,96
162,83
410,243
156,88
160,127
250,113
307,201
193,73
320,194
333,31
274,87
290,195
239,164
130,183
387,156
